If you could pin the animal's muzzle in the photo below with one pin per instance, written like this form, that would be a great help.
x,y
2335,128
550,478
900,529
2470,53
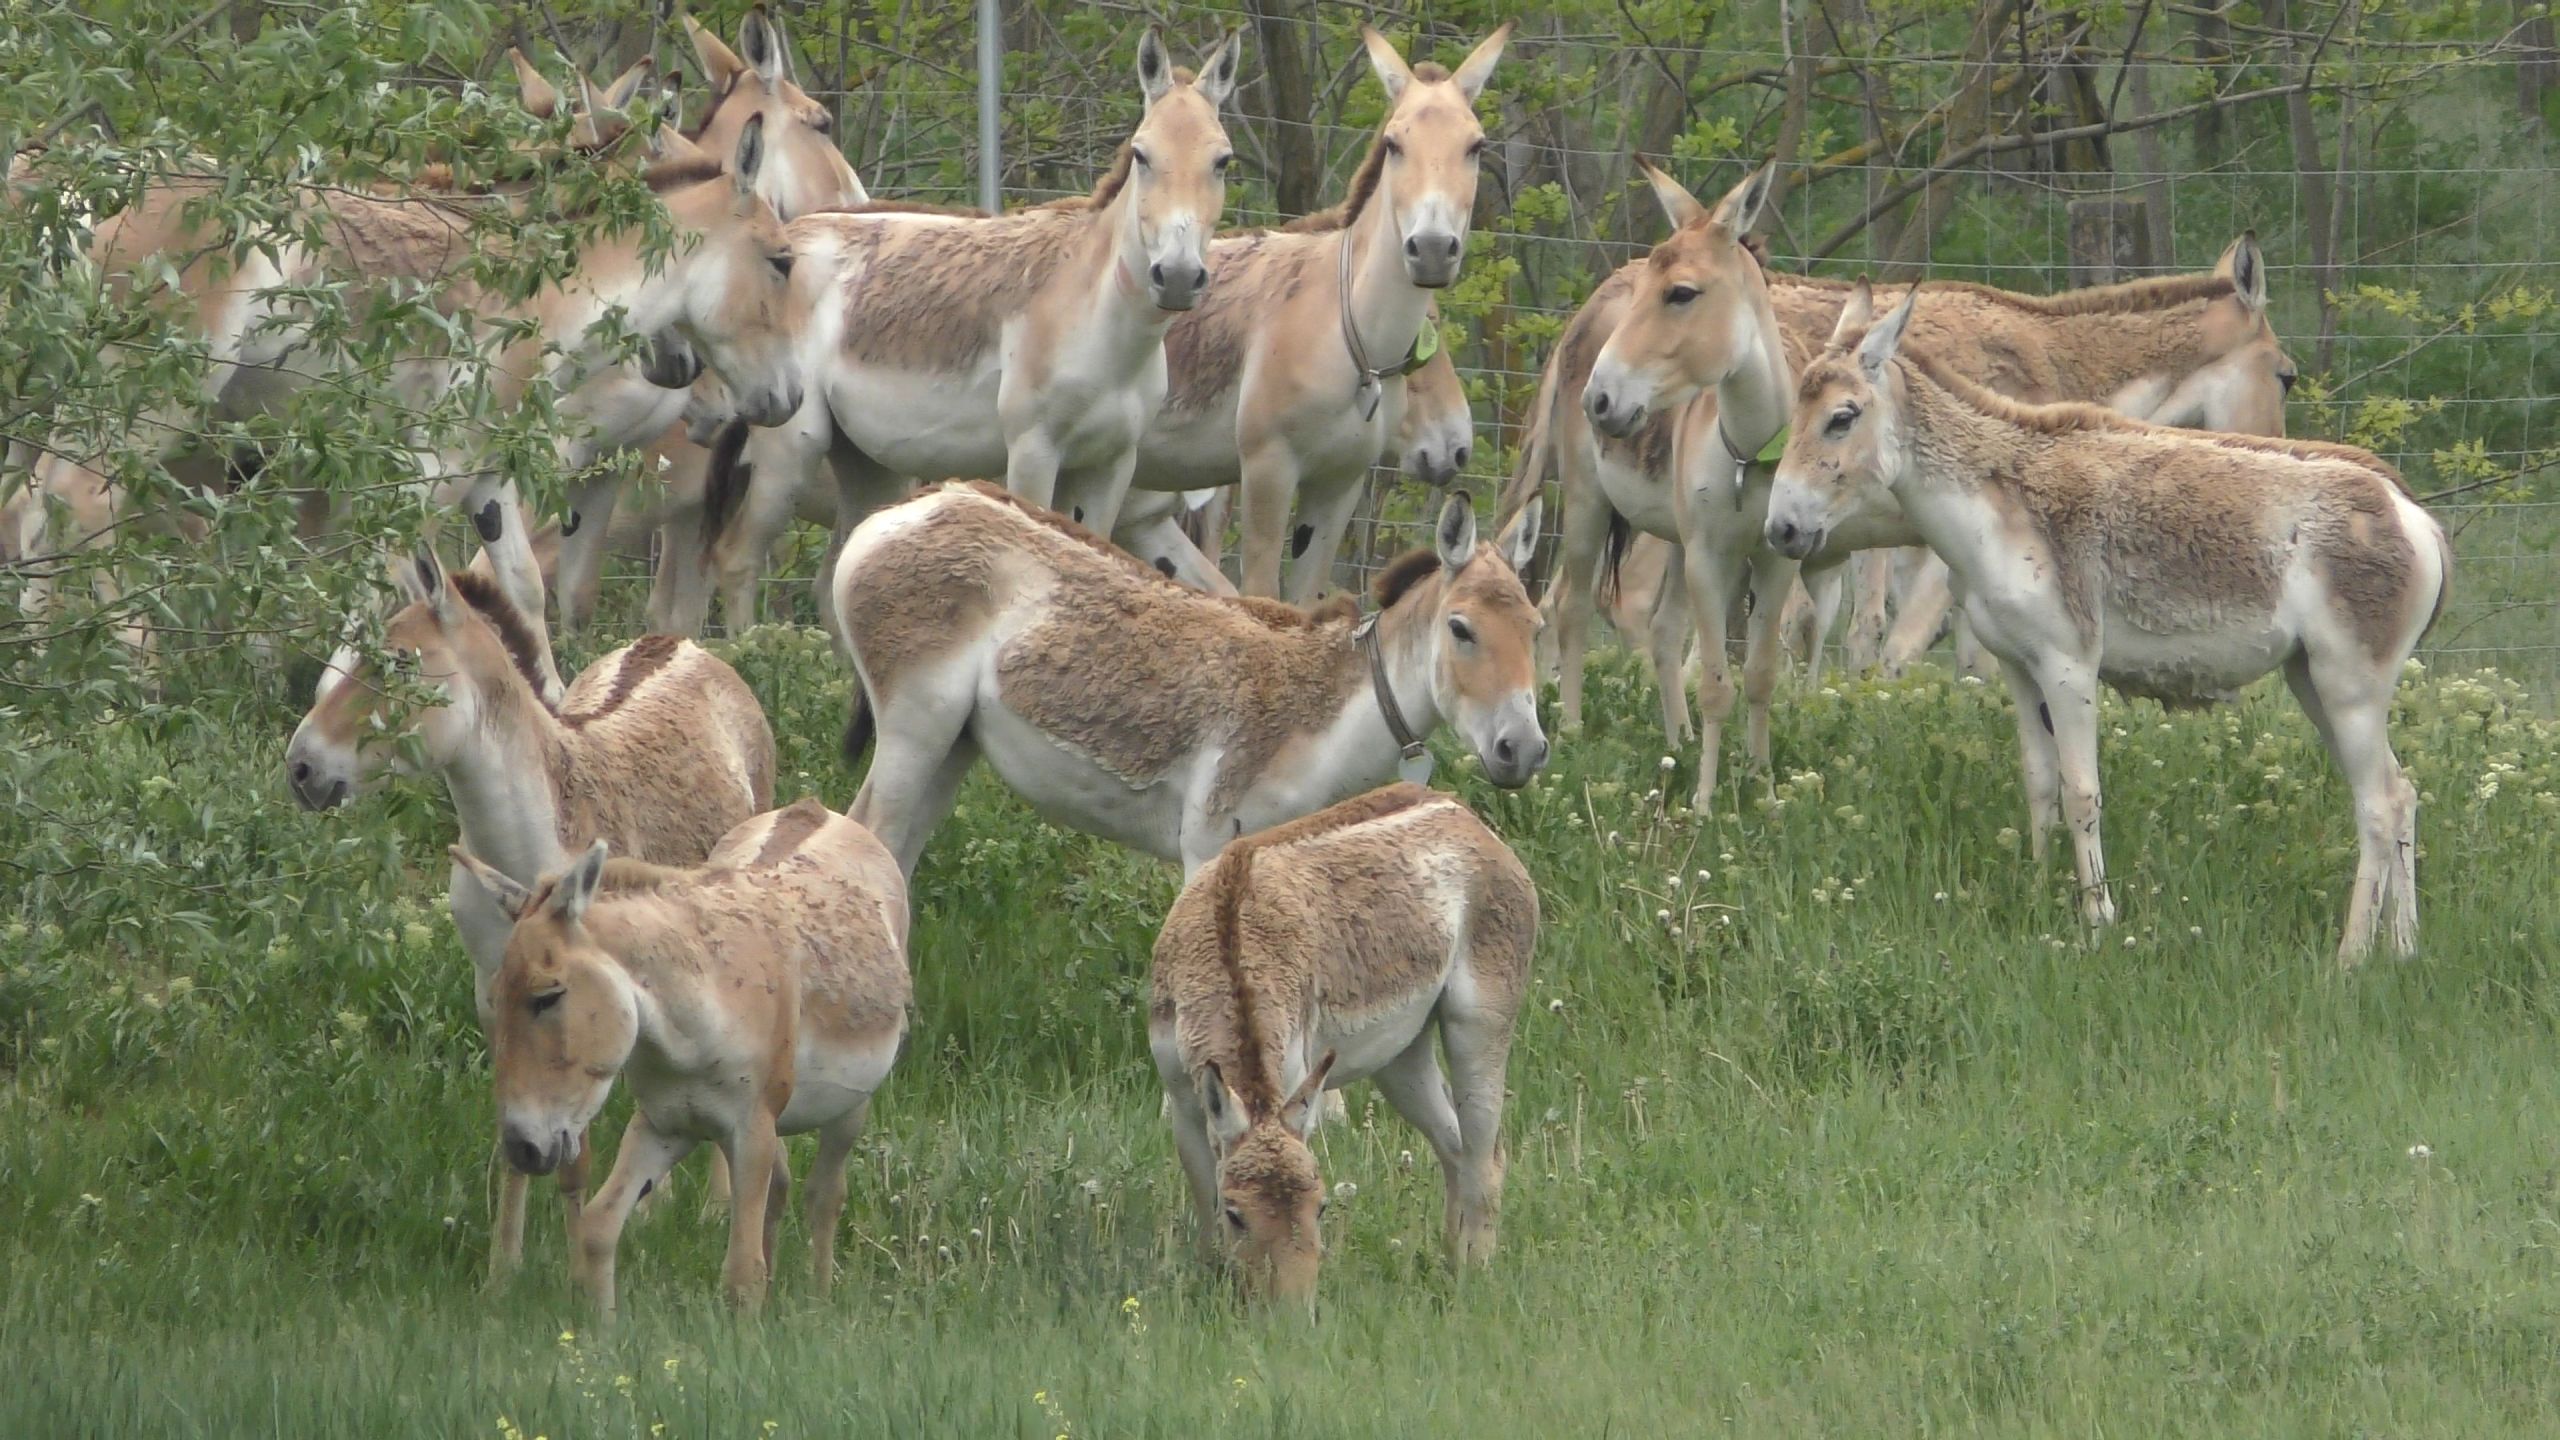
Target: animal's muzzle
x,y
1791,539
1610,415
1176,285
670,363
1514,759
1431,258
535,1154
772,407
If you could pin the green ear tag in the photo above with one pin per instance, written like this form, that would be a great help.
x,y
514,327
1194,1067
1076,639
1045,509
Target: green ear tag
x,y
1776,447
1425,345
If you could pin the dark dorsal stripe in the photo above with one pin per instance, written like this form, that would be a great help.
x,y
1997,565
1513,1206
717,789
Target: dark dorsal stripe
x,y
791,830
643,658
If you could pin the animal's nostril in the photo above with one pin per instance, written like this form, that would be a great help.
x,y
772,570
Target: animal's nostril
x,y
1462,457
1599,402
523,1153
301,772
1503,750
1453,247
1413,248
1156,273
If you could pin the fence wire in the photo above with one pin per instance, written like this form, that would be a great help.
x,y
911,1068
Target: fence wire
x,y
2435,351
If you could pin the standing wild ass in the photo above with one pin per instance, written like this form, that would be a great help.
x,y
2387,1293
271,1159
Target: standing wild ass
x,y
659,748
2192,347
720,288
1028,345
1280,376
1122,704
2170,563
1324,951
761,994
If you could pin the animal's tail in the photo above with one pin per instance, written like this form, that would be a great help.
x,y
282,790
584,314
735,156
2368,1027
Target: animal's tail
x,y
2444,586
725,489
1535,445
858,727
1621,535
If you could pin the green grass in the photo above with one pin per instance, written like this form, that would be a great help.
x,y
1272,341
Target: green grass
x,y
1870,1144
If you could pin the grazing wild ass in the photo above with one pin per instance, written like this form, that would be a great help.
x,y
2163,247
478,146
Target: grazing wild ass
x,y
1324,951
2176,564
1027,345
2193,347
659,748
759,994
1278,377
721,287
1122,704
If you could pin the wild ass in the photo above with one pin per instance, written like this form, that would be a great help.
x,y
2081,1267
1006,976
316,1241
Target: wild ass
x,y
760,994
1434,433
1325,951
1027,345
659,748
720,287
2195,347
1119,703
1279,375
801,172
2175,564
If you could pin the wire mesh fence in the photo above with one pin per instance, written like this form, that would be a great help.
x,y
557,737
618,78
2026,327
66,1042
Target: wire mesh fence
x,y
2427,336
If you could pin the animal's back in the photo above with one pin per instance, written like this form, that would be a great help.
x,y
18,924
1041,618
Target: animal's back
x,y
934,291
669,750
834,900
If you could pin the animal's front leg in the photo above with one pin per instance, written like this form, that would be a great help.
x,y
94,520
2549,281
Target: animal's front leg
x,y
644,1159
1270,484
1923,612
752,1158
1709,585
1324,515
583,548
1667,645
506,1232
1773,584
2071,703
2035,757
1583,547
1092,495
1873,572
1031,468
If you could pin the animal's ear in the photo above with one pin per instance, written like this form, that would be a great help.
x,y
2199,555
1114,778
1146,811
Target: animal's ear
x,y
1299,1112
599,124
1455,535
2246,269
626,86
669,145
573,892
1857,314
427,586
1227,1120
1519,539
1218,72
502,890
1155,72
1477,68
720,64
1739,211
1884,340
541,98
1678,205
760,45
750,157
1392,71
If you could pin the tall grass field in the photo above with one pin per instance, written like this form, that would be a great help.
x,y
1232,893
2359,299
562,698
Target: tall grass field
x,y
1826,1119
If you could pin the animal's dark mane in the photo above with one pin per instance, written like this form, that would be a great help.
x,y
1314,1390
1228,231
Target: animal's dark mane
x,y
491,604
2130,297
665,175
1364,181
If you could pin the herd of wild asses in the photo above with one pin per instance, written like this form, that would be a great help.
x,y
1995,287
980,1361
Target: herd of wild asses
x,y
2097,482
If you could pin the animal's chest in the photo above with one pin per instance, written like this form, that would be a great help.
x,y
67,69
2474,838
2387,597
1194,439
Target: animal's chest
x,y
704,1100
1638,489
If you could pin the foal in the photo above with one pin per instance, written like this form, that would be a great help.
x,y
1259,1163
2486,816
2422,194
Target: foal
x,y
1326,951
2176,564
759,995
660,748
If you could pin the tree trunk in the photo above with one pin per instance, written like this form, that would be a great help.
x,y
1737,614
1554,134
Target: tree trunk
x,y
2319,195
1280,28
1968,119
2538,71
2213,52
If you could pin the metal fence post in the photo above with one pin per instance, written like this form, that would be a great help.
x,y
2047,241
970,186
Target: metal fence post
x,y
990,80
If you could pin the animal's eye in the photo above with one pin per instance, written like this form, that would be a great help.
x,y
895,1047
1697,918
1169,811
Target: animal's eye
x,y
1476,148
1840,421
823,123
1235,1218
2286,377
1222,162
1394,146
1465,633
547,1001
1138,158
782,265
1681,294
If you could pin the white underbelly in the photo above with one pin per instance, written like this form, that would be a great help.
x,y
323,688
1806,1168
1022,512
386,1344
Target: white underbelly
x,y
2201,664
1072,791
1196,451
830,1078
1364,1046
926,425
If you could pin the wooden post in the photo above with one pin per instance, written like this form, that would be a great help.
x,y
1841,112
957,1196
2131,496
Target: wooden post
x,y
2110,239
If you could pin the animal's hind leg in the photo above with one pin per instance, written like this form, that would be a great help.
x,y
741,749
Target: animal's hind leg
x,y
826,1192
1414,1086
1584,543
1666,640
1773,580
1479,1044
1923,613
863,487
1873,570
2353,714
777,1197
1824,587
923,753
2071,710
